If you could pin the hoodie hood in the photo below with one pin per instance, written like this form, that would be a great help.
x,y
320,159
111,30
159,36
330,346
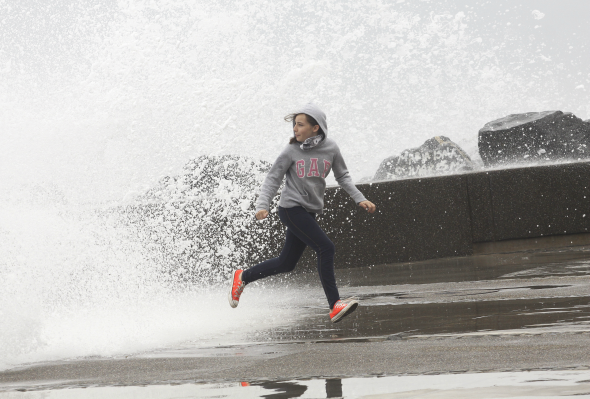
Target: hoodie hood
x,y
316,113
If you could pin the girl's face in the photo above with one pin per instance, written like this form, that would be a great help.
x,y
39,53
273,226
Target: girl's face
x,y
303,129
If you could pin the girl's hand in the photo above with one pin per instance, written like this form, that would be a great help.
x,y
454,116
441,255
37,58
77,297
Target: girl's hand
x,y
368,205
261,214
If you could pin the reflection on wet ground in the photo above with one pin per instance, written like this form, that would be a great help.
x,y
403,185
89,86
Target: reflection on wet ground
x,y
527,384
490,385
296,389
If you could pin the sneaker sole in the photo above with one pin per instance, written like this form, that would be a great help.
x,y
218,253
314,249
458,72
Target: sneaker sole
x,y
345,312
232,303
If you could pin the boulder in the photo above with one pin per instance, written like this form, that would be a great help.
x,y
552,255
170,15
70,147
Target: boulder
x,y
539,136
438,155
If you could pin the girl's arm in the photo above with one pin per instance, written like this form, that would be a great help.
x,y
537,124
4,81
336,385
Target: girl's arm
x,y
344,180
273,180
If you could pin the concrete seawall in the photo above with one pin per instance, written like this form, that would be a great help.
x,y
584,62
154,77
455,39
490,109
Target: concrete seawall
x,y
459,215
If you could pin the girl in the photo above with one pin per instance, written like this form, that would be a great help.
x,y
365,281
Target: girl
x,y
307,160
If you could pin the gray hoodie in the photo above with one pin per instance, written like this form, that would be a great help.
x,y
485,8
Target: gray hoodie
x,y
306,171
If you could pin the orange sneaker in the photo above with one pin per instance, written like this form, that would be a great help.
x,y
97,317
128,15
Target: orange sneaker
x,y
237,286
343,308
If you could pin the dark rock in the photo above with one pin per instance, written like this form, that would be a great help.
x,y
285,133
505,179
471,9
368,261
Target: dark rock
x,y
539,136
439,155
529,202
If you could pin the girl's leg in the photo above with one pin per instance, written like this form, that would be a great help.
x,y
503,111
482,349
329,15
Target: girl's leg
x,y
290,255
303,225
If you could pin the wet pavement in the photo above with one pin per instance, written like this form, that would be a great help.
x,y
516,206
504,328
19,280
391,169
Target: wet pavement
x,y
503,314
459,295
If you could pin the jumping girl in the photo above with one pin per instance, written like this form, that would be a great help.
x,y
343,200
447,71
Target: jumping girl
x,y
306,160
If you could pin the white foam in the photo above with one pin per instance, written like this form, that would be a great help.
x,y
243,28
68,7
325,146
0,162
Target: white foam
x,y
75,285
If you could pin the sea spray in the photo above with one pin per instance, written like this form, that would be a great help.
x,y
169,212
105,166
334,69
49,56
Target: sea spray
x,y
84,282
201,222
101,100
105,99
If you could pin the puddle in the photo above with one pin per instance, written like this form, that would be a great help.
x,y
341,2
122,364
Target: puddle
x,y
455,295
519,384
579,268
568,262
462,292
380,317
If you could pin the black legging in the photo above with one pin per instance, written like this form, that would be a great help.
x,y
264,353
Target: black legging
x,y
302,230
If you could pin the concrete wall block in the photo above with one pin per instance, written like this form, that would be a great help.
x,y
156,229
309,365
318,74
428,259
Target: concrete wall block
x,y
541,201
443,216
416,219
480,204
